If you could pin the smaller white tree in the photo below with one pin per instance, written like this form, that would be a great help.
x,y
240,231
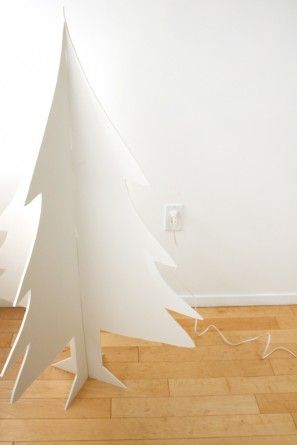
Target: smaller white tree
x,y
19,226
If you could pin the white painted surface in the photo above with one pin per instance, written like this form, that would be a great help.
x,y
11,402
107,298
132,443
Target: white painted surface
x,y
19,224
205,94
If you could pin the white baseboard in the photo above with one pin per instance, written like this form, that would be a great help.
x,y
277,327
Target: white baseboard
x,y
240,300
226,300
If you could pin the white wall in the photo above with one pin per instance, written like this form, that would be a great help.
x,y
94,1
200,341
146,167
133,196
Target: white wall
x,y
204,92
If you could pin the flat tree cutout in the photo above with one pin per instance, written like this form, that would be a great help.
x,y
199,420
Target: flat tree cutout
x,y
93,265
18,225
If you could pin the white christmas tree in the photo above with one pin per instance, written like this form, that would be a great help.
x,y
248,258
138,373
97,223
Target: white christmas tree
x,y
18,225
93,265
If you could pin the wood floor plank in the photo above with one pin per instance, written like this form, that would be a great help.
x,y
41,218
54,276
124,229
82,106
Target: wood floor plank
x,y
40,389
13,337
114,340
209,395
277,403
247,311
191,369
10,325
147,428
92,389
5,339
184,406
198,387
134,388
54,409
288,322
294,415
285,366
278,337
11,313
263,440
49,373
258,385
120,354
236,323
4,351
248,351
294,309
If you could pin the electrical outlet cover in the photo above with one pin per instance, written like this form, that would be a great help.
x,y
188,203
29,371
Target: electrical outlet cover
x,y
167,223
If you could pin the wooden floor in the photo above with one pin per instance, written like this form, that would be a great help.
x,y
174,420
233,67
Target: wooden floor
x,y
211,395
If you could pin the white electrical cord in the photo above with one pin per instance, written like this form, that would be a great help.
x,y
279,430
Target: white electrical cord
x,y
266,335
174,237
